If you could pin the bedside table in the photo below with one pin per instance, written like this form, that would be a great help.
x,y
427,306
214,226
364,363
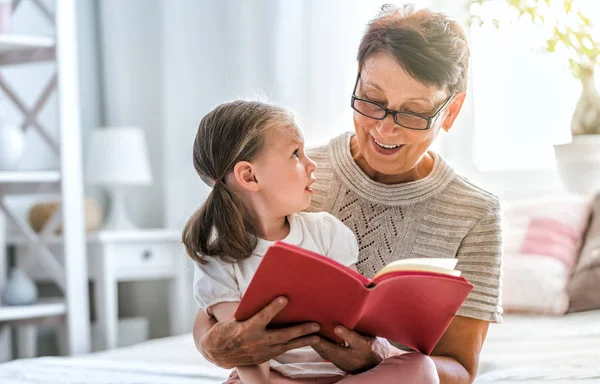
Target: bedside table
x,y
119,256
133,256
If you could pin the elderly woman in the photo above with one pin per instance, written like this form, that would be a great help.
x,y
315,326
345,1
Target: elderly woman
x,y
401,200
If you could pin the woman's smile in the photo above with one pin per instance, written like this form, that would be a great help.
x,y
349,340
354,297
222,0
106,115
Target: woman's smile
x,y
385,149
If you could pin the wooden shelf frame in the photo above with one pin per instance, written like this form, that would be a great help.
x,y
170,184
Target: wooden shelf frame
x,y
73,307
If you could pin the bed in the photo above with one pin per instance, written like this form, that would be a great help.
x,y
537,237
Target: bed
x,y
527,349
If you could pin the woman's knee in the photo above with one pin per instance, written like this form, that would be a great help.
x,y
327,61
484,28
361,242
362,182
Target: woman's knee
x,y
416,365
408,368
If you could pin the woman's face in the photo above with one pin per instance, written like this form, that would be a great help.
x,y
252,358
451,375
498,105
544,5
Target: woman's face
x,y
385,82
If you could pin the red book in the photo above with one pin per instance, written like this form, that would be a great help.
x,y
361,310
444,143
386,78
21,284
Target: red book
x,y
410,301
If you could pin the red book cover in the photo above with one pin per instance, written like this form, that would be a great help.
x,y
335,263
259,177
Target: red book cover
x,y
410,307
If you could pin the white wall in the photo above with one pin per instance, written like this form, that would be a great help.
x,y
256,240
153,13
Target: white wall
x,y
131,56
90,87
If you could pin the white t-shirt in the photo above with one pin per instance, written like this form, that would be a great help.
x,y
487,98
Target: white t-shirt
x,y
217,281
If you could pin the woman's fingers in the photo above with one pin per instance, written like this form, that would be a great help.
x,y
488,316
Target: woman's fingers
x,y
265,315
300,342
350,337
280,336
285,335
328,350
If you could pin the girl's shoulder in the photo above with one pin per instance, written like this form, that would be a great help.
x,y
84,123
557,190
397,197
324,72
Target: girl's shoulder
x,y
317,218
330,236
321,222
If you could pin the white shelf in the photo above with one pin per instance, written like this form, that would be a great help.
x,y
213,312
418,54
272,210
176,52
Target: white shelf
x,y
20,49
22,177
136,235
12,42
44,308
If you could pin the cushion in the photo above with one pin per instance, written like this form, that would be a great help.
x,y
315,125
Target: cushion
x,y
542,240
584,287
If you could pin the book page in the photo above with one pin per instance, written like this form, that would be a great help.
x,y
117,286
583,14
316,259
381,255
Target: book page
x,y
436,265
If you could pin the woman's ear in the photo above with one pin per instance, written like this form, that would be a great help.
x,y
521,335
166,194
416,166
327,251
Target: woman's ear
x,y
453,110
245,176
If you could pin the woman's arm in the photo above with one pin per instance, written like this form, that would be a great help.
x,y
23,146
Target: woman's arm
x,y
456,356
250,374
232,343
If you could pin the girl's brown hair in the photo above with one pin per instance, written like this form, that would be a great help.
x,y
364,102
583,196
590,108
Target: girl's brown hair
x,y
230,133
429,46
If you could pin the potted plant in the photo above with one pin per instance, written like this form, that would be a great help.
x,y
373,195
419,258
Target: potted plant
x,y
570,32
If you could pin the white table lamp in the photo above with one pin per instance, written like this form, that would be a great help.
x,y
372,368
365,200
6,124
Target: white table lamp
x,y
118,157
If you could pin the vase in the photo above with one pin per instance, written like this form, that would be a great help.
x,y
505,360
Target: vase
x,y
19,290
586,118
578,164
12,142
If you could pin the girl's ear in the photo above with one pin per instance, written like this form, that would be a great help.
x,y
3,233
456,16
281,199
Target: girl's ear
x,y
245,176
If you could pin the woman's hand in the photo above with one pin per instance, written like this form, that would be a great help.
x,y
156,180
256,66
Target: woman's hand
x,y
234,343
361,353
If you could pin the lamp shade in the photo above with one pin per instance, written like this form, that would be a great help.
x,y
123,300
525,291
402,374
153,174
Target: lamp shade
x,y
118,156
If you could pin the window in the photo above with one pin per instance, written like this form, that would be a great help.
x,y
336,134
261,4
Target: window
x,y
523,97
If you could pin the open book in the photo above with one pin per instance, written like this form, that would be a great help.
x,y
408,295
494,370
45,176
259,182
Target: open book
x,y
409,301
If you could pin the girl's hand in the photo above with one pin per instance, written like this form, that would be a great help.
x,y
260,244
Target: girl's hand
x,y
232,343
360,354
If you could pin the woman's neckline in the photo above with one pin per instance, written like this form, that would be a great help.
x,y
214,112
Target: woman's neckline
x,y
388,194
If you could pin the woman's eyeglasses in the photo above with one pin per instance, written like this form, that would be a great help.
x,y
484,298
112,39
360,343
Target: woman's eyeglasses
x,y
407,120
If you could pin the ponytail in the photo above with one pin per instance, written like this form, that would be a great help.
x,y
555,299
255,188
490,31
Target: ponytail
x,y
232,132
222,227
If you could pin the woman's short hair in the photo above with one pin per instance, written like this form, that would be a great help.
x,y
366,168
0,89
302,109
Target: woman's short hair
x,y
429,46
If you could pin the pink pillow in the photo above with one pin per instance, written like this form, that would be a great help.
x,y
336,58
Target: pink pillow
x,y
542,240
584,286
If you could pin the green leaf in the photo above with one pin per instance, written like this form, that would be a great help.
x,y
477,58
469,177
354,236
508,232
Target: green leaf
x,y
542,19
586,21
568,4
531,13
514,3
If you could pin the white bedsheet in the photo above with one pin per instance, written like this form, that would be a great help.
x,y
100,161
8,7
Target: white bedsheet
x,y
524,349
172,360
535,349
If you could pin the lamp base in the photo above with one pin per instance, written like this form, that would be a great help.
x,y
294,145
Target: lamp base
x,y
117,219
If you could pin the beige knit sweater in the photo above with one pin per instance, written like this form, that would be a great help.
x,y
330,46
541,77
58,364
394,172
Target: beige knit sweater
x,y
441,215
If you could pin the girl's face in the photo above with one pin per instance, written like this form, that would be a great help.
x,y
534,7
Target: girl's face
x,y
386,150
284,173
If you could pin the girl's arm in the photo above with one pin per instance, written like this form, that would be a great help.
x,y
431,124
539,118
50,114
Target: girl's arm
x,y
251,374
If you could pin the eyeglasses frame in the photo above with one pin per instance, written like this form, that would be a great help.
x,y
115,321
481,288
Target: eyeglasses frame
x,y
430,119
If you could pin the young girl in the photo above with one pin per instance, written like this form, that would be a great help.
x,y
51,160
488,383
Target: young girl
x,y
252,154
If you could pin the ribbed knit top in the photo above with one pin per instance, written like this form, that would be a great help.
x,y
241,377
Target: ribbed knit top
x,y
440,215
